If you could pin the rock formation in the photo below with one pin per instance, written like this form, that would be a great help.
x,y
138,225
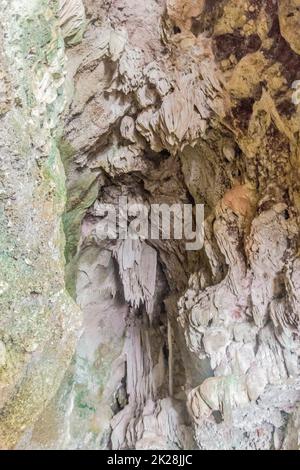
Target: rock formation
x,y
139,343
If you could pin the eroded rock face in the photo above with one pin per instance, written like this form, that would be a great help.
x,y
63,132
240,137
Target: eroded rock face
x,y
174,102
39,323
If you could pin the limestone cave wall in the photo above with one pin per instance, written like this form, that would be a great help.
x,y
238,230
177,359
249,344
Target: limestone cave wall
x,y
141,344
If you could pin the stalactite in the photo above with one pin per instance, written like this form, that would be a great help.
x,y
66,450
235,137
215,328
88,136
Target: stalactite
x,y
152,102
170,359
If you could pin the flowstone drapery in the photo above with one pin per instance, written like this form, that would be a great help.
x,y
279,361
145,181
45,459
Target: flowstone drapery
x,y
158,101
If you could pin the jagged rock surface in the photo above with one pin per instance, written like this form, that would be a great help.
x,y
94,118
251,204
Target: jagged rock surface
x,y
39,322
176,101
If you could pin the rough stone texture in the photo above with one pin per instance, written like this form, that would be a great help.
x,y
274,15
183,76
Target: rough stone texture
x,y
166,101
39,320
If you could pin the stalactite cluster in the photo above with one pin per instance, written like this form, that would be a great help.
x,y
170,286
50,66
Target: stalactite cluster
x,y
147,345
